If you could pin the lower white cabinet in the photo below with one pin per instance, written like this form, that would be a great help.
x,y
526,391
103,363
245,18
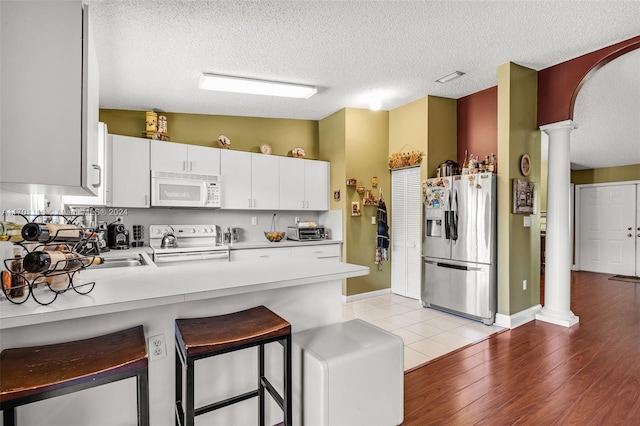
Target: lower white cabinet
x,y
130,179
260,254
331,252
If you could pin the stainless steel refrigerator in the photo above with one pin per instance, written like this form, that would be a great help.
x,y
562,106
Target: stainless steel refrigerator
x,y
459,253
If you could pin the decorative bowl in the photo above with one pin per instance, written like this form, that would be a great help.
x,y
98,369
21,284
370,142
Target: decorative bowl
x,y
274,236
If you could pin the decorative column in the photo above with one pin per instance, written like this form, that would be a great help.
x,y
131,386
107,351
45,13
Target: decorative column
x,y
557,285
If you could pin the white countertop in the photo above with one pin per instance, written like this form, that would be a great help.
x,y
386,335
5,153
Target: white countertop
x,y
123,289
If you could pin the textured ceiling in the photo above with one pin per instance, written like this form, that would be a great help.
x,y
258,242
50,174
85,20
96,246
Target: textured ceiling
x,y
151,54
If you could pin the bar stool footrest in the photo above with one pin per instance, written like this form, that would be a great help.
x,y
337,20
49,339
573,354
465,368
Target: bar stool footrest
x,y
224,403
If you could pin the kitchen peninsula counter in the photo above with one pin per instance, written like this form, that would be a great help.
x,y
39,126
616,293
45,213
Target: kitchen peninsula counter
x,y
131,288
305,292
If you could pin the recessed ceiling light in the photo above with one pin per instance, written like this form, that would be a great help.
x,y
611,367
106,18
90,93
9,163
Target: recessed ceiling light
x,y
223,83
450,77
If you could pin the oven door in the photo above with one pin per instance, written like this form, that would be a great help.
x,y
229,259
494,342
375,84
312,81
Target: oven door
x,y
178,192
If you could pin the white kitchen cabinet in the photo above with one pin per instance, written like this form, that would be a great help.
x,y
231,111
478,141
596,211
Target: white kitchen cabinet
x,y
249,181
264,182
406,259
101,176
129,174
184,158
49,86
330,252
260,254
304,184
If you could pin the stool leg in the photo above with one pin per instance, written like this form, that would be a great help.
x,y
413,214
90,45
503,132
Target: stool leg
x,y
288,412
143,398
9,416
260,385
191,410
179,408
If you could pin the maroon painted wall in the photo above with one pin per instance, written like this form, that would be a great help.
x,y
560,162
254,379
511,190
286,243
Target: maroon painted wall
x,y
559,85
478,124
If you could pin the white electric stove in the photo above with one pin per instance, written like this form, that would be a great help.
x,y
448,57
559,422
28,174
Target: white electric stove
x,y
193,243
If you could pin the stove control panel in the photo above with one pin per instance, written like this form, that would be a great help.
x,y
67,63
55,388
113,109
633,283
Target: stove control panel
x,y
184,231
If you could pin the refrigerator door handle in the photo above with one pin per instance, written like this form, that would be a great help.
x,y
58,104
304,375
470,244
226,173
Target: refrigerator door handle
x,y
454,216
451,266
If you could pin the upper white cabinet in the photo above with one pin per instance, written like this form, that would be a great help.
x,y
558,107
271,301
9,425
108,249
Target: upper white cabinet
x,y
101,172
249,180
49,86
304,184
129,177
184,158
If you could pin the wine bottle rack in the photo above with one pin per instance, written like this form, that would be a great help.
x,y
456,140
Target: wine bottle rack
x,y
44,287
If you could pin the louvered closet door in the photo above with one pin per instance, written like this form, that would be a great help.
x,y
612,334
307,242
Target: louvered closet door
x,y
414,260
405,232
398,233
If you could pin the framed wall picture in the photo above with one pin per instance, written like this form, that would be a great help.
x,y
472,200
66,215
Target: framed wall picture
x,y
524,196
355,208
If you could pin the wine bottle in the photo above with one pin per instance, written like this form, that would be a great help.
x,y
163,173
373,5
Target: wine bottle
x,y
51,231
45,261
11,231
465,163
18,282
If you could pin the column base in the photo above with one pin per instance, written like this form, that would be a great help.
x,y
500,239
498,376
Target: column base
x,y
568,320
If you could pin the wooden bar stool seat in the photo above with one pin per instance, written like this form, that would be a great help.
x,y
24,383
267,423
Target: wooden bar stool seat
x,y
198,338
36,373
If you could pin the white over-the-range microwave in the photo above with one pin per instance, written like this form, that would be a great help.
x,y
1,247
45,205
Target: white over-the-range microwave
x,y
170,189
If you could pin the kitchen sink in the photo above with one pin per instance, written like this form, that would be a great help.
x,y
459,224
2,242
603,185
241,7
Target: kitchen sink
x,y
121,262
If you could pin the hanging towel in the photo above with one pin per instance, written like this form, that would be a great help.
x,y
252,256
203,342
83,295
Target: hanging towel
x,y
382,240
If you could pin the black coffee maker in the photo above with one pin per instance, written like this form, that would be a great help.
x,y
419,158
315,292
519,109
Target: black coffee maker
x,y
117,236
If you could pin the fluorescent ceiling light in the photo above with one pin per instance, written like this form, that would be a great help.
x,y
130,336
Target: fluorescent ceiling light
x,y
450,77
225,83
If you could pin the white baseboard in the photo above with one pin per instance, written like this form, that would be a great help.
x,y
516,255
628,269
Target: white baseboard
x,y
519,318
366,295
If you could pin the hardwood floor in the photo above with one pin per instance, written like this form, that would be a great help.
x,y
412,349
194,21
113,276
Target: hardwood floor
x,y
541,373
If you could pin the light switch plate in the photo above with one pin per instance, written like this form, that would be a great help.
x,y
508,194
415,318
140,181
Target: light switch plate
x,y
373,220
254,220
527,221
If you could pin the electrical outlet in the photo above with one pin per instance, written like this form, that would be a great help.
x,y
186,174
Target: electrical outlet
x,y
254,220
157,348
297,221
524,284
373,220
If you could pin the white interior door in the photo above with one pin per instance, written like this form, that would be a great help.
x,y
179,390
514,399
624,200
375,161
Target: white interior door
x,y
607,223
637,230
405,235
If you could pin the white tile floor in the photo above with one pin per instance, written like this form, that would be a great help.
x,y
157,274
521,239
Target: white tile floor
x,y
427,333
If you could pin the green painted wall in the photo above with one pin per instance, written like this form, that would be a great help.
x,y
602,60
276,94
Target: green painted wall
x,y
367,145
429,125
442,132
408,130
606,174
518,246
245,133
356,142
332,148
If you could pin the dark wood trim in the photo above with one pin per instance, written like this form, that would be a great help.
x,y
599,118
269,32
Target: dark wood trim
x,y
559,85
